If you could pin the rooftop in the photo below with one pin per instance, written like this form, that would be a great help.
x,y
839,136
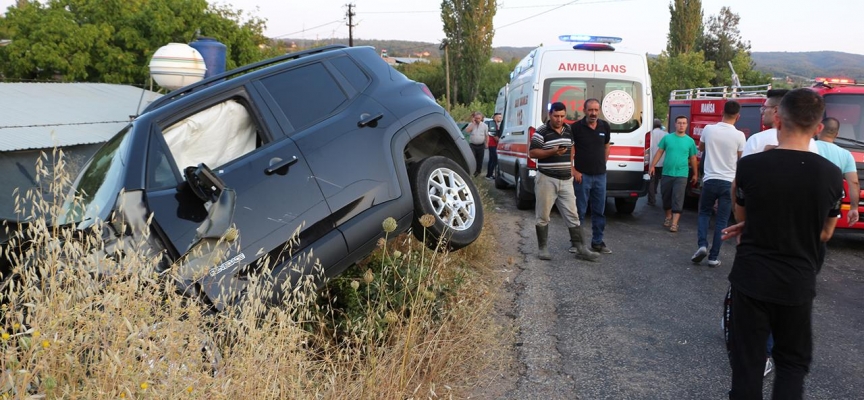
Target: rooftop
x,y
42,115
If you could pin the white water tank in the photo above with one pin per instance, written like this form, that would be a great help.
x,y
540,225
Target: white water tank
x,y
176,65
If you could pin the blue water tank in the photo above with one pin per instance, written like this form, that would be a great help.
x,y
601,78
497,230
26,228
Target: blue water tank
x,y
214,54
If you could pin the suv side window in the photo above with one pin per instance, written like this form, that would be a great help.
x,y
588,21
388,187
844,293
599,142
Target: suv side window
x,y
215,136
352,72
306,95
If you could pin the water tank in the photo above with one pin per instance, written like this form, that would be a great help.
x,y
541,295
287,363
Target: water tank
x,y
176,65
213,52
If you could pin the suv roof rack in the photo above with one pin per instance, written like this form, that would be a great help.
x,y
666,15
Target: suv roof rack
x,y
720,92
200,85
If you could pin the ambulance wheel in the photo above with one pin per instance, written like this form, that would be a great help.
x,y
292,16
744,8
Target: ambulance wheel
x,y
625,205
524,200
500,183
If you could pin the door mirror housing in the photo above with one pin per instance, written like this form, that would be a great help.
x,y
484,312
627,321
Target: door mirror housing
x,y
204,183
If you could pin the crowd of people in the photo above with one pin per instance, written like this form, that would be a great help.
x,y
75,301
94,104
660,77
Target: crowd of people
x,y
762,180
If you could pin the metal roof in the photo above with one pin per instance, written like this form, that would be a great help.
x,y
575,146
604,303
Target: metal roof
x,y
42,115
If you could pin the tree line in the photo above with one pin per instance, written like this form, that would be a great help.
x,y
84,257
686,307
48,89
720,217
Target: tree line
x,y
698,53
112,41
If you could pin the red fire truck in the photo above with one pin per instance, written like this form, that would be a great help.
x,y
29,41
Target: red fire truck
x,y
704,106
844,100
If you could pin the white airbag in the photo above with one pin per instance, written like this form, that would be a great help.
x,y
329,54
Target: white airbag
x,y
214,136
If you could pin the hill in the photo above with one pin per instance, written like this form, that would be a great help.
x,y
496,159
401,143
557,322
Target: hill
x,y
807,65
811,64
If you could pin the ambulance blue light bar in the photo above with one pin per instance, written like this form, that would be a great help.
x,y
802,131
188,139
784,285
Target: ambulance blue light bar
x,y
590,39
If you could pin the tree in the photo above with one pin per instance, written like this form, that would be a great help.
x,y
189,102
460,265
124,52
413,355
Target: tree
x,y
685,27
492,79
723,43
113,40
684,71
468,28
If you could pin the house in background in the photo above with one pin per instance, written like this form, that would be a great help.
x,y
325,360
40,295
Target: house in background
x,y
75,117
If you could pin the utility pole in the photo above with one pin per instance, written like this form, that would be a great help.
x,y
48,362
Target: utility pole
x,y
444,45
351,25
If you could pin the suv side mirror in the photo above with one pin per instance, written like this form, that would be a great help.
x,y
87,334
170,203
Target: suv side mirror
x,y
203,182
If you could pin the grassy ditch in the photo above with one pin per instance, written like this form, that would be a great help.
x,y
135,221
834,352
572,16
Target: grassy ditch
x,y
407,322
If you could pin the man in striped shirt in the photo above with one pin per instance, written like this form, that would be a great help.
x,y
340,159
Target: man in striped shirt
x,y
552,145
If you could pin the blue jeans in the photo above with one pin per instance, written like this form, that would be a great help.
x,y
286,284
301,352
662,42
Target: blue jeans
x,y
592,190
720,191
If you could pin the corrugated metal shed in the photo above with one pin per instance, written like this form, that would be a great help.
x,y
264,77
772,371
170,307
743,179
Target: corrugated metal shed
x,y
42,115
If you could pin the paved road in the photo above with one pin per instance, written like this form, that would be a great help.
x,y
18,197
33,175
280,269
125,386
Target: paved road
x,y
644,323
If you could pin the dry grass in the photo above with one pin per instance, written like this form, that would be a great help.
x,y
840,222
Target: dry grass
x,y
77,323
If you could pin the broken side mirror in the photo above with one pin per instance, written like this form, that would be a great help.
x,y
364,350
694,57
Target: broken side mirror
x,y
204,183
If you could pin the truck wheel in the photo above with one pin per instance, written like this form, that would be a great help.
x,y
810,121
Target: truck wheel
x,y
524,200
500,183
625,205
443,189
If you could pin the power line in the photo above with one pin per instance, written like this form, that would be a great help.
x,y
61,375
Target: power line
x,y
338,21
438,11
557,7
536,15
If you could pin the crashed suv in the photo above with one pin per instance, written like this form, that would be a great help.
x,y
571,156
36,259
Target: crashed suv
x,y
298,157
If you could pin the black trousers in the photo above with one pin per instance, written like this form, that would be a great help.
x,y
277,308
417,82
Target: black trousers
x,y
478,150
493,162
752,321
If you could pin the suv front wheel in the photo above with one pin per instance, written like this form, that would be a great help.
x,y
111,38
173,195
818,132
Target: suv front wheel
x,y
444,190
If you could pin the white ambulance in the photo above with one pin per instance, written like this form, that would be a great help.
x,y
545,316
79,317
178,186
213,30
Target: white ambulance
x,y
587,67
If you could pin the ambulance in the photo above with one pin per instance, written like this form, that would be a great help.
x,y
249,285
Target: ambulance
x,y
585,67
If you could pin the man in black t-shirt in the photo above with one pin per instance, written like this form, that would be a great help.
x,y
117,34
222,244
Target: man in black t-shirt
x,y
591,151
788,200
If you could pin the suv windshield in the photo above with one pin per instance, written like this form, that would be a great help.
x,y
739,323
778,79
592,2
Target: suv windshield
x,y
94,192
621,100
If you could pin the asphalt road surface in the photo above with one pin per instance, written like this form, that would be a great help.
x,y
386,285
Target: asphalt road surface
x,y
644,322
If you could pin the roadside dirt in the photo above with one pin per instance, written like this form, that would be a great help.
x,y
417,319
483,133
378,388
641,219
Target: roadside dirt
x,y
502,376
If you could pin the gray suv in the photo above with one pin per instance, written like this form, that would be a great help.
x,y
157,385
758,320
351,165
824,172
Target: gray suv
x,y
294,158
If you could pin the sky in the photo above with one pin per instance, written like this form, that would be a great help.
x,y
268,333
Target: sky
x,y
642,24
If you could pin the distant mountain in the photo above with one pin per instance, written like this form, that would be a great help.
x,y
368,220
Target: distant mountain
x,y
806,65
811,64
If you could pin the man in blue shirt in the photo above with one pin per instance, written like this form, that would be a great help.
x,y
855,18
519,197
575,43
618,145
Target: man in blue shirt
x,y
843,159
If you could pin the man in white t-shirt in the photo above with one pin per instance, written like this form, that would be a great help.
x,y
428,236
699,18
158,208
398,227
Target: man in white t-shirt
x,y
767,139
721,145
656,134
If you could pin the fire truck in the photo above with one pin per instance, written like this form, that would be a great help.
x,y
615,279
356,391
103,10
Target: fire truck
x,y
704,106
844,100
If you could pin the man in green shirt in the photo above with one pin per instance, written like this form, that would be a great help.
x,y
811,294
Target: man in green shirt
x,y
680,150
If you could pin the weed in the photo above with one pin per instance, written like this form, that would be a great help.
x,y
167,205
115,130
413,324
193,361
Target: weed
x,y
82,319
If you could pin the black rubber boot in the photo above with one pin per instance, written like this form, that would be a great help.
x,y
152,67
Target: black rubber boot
x,y
578,245
542,242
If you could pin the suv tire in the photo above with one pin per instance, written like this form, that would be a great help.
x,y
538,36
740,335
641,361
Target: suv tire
x,y
443,189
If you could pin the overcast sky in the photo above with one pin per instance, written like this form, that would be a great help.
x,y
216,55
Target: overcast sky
x,y
791,25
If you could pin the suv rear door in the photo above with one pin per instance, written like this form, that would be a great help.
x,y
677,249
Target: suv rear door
x,y
343,134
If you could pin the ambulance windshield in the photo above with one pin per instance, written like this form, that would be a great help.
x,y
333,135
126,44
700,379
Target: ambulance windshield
x,y
621,101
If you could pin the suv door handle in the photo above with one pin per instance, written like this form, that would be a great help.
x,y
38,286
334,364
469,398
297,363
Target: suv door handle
x,y
370,121
280,166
